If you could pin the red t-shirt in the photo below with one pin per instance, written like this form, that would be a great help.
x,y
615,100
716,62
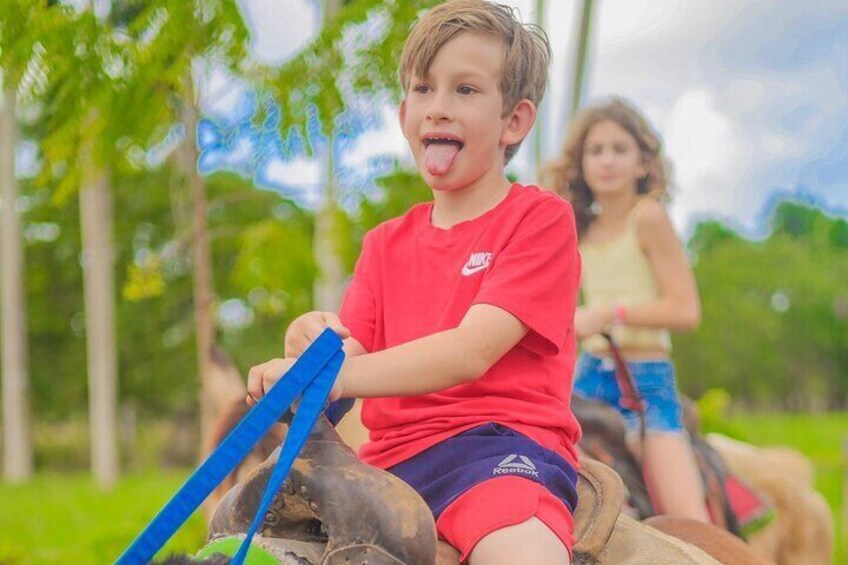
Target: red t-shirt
x,y
413,279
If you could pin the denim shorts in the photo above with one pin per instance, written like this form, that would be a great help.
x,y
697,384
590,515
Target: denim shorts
x,y
655,381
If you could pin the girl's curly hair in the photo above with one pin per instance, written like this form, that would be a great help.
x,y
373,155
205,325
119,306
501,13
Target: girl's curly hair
x,y
565,175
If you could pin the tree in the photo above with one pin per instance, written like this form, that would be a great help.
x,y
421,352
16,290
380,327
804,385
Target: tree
x,y
775,313
22,25
90,63
324,79
173,36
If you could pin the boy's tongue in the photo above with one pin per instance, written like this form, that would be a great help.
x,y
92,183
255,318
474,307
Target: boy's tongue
x,y
438,157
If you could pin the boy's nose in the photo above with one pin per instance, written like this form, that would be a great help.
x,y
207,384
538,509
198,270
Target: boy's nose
x,y
439,109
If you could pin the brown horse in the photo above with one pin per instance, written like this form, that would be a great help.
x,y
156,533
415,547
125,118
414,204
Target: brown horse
x,y
604,536
802,530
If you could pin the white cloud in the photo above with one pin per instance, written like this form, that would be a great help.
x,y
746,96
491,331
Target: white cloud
x,y
710,155
280,28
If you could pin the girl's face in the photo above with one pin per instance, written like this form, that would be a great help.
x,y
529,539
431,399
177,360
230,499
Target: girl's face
x,y
612,162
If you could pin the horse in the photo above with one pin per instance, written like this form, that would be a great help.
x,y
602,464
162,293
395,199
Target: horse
x,y
297,532
335,509
603,532
802,528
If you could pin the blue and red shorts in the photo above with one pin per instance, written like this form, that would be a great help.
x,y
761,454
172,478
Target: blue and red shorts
x,y
491,477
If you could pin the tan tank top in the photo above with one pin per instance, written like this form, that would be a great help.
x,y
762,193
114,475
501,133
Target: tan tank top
x,y
618,272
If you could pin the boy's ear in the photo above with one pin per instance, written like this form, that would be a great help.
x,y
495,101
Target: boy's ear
x,y
518,122
402,112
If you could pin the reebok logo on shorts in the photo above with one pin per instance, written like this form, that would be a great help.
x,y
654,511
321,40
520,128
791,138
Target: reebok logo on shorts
x,y
516,465
476,263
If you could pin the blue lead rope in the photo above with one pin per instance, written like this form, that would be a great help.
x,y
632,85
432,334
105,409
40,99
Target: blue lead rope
x,y
311,377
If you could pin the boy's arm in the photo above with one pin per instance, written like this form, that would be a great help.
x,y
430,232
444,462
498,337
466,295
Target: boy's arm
x,y
435,362
428,364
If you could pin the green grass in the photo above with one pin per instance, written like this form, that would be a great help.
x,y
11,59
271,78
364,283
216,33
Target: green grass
x,y
67,519
818,436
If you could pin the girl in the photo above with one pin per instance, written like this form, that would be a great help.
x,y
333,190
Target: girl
x,y
636,283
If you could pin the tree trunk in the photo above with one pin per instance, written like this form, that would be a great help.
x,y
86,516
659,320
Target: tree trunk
x,y
538,128
327,288
17,460
579,65
204,316
99,291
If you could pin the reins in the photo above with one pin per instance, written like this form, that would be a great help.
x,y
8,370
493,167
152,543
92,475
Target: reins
x,y
311,378
630,397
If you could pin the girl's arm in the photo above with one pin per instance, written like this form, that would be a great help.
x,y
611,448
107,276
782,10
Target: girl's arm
x,y
678,307
428,364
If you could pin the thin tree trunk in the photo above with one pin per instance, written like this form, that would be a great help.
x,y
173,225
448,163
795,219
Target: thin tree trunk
x,y
99,290
204,295
538,127
578,68
327,288
17,460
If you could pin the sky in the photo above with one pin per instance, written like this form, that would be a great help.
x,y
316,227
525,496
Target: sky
x,y
749,98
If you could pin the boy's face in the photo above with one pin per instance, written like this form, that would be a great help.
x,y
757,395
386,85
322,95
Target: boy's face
x,y
454,120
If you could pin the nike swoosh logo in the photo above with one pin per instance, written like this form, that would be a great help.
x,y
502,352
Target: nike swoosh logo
x,y
468,271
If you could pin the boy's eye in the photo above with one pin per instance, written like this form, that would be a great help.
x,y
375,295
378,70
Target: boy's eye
x,y
421,88
464,89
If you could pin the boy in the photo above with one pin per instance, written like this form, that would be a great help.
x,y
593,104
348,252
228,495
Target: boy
x,y
458,319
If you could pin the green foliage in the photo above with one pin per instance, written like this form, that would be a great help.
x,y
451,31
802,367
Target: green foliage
x,y
25,26
343,60
712,407
169,36
402,189
775,313
155,333
274,266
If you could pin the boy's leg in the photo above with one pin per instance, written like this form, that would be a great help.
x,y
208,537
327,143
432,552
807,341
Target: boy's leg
x,y
522,521
529,542
673,477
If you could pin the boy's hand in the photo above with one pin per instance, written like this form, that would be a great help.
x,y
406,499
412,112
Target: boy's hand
x,y
591,320
304,329
262,377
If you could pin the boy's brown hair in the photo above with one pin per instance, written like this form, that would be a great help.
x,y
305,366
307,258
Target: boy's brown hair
x,y
527,53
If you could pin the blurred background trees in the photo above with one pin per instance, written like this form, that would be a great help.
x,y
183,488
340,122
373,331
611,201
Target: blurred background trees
x,y
202,260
